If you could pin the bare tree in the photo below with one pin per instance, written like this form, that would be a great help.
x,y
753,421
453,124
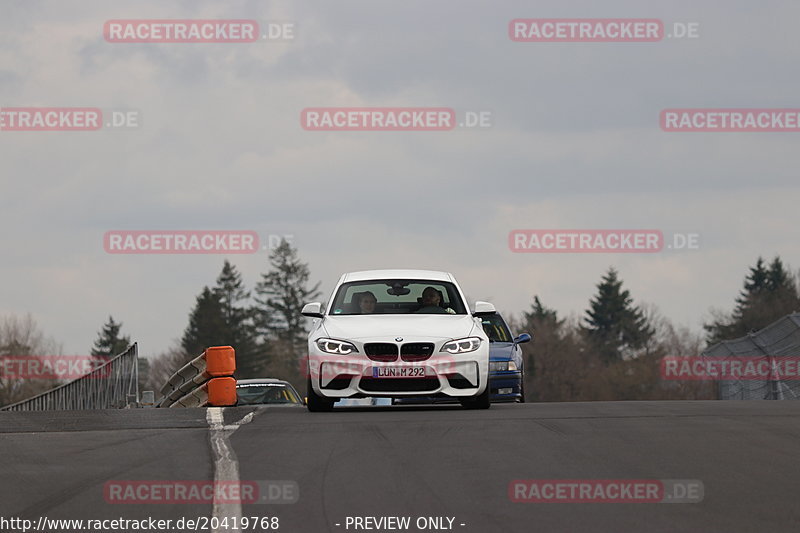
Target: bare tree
x,y
21,337
164,365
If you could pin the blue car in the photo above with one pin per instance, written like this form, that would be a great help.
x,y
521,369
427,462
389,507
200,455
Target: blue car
x,y
506,364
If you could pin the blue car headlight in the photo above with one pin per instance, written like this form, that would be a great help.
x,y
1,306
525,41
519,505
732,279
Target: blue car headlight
x,y
502,366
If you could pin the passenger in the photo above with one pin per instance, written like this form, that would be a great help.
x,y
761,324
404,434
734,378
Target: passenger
x,y
432,302
366,303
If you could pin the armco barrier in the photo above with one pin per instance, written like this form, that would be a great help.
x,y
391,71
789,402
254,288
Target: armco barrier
x,y
113,385
779,339
206,380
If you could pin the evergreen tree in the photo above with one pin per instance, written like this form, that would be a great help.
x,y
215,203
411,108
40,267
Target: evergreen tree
x,y
280,297
756,281
109,341
543,324
613,325
239,324
769,293
783,297
539,315
207,326
230,290
556,364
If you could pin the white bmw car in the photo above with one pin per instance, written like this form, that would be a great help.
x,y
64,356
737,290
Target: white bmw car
x,y
397,333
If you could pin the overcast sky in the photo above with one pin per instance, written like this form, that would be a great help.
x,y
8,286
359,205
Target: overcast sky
x,y
575,143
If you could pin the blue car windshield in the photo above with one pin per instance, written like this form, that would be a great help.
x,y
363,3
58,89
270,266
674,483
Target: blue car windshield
x,y
496,328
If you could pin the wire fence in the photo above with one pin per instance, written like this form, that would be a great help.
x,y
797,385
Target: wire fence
x,y
779,339
113,385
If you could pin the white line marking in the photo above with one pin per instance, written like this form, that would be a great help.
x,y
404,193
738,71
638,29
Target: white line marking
x,y
226,465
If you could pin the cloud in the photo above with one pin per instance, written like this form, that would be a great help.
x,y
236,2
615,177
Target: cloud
x,y
574,143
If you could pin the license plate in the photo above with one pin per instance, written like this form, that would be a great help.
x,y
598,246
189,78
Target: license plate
x,y
398,372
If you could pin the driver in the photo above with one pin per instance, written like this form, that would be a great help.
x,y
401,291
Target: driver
x,y
432,302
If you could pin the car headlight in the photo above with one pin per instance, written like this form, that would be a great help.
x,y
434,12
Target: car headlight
x,y
469,344
502,366
336,347
498,366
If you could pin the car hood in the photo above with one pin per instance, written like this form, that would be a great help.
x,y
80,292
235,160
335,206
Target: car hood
x,y
500,351
440,327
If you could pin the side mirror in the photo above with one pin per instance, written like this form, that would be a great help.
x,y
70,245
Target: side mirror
x,y
522,338
312,310
483,309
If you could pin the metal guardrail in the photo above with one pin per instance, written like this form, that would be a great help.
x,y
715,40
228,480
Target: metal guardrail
x,y
205,380
113,385
779,339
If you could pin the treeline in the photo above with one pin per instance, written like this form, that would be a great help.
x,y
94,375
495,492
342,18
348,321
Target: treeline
x,y
264,326
611,351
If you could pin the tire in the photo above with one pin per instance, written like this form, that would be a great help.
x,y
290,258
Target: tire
x,y
522,390
316,403
480,401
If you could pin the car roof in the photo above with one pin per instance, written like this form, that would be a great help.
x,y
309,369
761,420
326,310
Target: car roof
x,y
430,275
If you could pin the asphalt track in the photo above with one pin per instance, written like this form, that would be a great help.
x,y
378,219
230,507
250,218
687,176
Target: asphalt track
x,y
420,461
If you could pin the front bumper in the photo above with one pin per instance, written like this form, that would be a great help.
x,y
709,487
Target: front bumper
x,y
505,386
354,375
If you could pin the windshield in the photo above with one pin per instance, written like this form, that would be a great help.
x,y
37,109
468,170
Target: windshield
x,y
397,296
265,393
496,328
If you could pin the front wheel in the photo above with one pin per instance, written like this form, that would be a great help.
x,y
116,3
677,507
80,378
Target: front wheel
x,y
480,401
316,403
